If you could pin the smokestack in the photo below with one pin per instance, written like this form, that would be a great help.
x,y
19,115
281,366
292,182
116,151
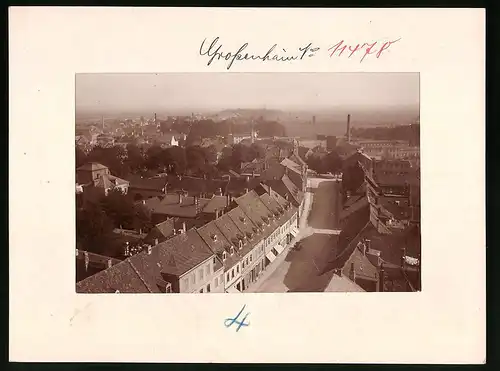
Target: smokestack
x,y
228,199
184,226
348,133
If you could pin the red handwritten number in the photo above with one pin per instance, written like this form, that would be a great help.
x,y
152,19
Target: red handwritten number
x,y
385,47
336,47
355,50
368,51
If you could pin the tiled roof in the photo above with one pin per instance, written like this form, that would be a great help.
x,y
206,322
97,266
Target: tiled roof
x,y
346,241
122,277
92,166
358,203
291,165
108,181
161,231
294,191
170,206
181,253
362,266
342,284
216,203
295,157
218,243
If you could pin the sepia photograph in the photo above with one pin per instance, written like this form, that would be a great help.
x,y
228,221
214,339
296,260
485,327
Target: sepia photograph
x,y
247,182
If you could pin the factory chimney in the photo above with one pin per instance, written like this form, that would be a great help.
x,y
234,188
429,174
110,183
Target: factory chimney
x,y
348,133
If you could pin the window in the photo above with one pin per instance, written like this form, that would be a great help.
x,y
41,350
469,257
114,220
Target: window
x,y
224,256
207,270
201,273
201,291
208,288
213,261
232,274
186,283
193,279
250,258
227,277
237,269
216,282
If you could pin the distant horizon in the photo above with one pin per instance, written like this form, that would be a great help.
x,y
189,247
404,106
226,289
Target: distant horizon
x,y
212,92
172,111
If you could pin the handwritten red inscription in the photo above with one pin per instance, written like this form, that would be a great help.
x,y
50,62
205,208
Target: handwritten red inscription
x,y
361,49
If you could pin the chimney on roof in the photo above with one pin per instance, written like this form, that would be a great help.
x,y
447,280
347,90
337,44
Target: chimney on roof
x,y
246,190
197,203
228,200
184,227
110,263
144,202
150,248
352,273
180,197
216,213
87,259
156,241
381,278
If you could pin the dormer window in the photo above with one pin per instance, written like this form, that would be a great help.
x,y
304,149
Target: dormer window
x,y
214,237
117,291
232,250
240,244
242,219
224,256
249,234
168,288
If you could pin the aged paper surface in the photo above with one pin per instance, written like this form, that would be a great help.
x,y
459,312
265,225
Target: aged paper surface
x,y
445,323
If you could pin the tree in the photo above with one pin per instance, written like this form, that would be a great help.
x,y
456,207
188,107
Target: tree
x,y
332,162
112,157
352,178
123,212
92,228
135,160
80,157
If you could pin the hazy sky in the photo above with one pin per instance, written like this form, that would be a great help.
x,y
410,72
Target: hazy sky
x,y
193,91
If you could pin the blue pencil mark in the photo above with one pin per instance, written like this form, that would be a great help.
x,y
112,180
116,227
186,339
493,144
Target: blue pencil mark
x,y
231,321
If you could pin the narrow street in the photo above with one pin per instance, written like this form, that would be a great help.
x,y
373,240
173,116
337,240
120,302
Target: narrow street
x,y
300,269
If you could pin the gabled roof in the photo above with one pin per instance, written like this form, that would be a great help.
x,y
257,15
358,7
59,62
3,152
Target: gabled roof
x,y
218,243
297,158
164,229
108,181
122,277
293,166
342,284
181,253
92,166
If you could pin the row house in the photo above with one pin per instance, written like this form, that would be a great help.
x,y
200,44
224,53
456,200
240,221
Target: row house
x,y
226,254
